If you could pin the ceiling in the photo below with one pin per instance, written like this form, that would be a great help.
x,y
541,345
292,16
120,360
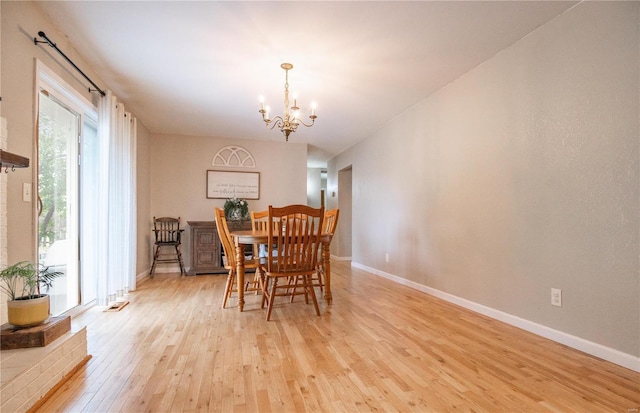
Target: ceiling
x,y
198,68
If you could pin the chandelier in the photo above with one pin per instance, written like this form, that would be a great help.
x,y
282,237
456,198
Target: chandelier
x,y
290,120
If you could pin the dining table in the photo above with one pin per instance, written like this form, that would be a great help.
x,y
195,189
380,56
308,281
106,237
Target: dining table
x,y
251,237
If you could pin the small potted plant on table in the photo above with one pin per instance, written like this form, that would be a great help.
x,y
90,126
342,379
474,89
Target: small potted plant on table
x,y
27,307
236,209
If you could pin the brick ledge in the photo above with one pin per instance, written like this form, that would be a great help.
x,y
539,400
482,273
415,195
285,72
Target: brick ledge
x,y
28,375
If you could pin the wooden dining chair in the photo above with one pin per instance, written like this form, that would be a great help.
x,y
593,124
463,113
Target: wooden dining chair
x,y
295,234
259,223
329,225
230,252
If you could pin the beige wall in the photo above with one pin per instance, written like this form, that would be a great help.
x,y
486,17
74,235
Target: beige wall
x,y
520,176
178,176
314,186
21,22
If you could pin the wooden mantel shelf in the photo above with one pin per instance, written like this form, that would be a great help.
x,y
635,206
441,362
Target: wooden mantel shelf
x,y
11,160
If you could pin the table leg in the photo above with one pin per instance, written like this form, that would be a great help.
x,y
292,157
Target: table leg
x,y
240,273
326,261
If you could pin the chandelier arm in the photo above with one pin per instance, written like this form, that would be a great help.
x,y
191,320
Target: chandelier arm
x,y
307,125
277,121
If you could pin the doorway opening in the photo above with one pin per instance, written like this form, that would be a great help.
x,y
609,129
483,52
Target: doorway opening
x,y
345,203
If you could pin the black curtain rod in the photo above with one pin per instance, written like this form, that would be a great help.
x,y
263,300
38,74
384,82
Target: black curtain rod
x,y
52,44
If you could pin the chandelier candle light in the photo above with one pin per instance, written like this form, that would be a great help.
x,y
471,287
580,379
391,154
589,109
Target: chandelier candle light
x,y
290,121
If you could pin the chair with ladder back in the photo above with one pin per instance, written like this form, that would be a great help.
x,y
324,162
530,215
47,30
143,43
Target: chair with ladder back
x,y
230,252
168,234
328,227
294,232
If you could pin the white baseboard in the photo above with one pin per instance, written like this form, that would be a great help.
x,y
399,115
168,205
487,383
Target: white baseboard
x,y
166,269
336,258
614,356
142,276
160,269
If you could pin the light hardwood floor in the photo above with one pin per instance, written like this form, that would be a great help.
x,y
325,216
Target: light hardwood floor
x,y
379,347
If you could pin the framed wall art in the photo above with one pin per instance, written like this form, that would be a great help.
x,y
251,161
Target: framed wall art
x,y
226,184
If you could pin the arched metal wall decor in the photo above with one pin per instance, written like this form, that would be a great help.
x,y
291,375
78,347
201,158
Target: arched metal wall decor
x,y
234,156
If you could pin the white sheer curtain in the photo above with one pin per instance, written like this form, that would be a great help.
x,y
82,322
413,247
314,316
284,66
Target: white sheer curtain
x,y
117,130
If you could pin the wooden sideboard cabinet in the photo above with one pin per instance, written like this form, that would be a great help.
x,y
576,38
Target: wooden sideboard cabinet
x,y
206,249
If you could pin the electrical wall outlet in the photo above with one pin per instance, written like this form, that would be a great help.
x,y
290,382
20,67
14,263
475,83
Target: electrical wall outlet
x,y
556,297
386,257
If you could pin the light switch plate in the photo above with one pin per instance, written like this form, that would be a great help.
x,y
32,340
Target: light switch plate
x,y
26,192
556,297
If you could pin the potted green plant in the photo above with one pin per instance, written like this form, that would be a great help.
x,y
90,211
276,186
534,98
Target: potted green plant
x,y
236,209
21,282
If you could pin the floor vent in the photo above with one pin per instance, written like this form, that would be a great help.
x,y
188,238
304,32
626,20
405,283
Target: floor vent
x,y
117,306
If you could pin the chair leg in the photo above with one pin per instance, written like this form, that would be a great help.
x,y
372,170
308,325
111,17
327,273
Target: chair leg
x,y
262,283
304,288
179,254
309,286
320,273
228,287
294,283
265,291
155,257
258,281
253,285
272,297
